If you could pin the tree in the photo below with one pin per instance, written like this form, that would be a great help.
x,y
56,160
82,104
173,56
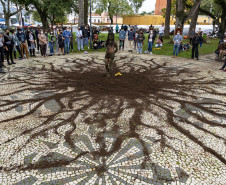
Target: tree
x,y
36,16
47,9
167,19
86,10
81,12
7,12
117,7
194,19
181,15
218,13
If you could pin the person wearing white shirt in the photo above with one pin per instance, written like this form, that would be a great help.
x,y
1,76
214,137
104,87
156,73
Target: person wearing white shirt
x,y
79,39
161,31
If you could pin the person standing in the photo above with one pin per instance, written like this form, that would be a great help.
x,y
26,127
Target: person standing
x,y
72,41
131,35
9,44
37,30
79,39
31,42
177,40
56,33
23,45
122,37
192,34
222,49
85,34
178,29
66,35
61,43
150,40
117,28
195,45
161,31
200,37
135,40
1,53
52,40
140,40
111,49
16,45
42,43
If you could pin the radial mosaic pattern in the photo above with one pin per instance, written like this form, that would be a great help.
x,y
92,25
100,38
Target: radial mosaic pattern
x,y
63,121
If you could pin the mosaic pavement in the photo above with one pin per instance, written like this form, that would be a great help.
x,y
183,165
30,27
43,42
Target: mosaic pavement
x,y
62,121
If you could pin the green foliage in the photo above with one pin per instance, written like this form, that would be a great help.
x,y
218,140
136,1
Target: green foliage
x,y
147,13
36,16
117,7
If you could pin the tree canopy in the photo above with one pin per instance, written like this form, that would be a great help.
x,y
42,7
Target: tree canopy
x,y
117,7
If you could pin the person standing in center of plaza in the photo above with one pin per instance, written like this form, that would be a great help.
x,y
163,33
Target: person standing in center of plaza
x,y
131,35
122,37
177,40
66,35
79,39
140,40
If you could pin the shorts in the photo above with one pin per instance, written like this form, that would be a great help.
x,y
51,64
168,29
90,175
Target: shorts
x,y
110,55
161,34
61,45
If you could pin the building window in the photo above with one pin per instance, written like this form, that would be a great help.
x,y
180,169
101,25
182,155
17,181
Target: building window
x,y
94,20
98,20
204,21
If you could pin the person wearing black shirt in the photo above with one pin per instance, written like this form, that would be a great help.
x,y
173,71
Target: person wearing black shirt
x,y
195,45
61,43
9,44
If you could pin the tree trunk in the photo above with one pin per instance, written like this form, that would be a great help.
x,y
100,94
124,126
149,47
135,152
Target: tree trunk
x,y
194,20
111,20
167,19
44,21
81,12
86,8
7,19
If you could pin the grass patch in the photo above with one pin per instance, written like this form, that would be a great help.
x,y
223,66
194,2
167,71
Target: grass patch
x,y
167,48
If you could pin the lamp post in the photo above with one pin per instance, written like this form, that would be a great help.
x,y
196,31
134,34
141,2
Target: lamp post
x,y
90,26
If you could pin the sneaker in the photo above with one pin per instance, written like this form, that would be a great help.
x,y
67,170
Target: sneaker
x,y
13,63
151,53
224,70
88,47
221,69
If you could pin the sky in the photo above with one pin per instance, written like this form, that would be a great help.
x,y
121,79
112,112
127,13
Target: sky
x,y
148,6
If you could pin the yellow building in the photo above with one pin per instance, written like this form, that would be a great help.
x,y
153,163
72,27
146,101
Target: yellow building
x,y
158,20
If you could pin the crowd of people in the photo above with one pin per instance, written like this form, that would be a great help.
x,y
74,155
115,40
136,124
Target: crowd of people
x,y
20,42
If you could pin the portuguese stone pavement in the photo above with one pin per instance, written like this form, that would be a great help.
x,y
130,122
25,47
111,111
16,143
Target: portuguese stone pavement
x,y
62,121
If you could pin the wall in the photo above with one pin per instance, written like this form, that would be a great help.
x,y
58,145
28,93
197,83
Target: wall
x,y
158,20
